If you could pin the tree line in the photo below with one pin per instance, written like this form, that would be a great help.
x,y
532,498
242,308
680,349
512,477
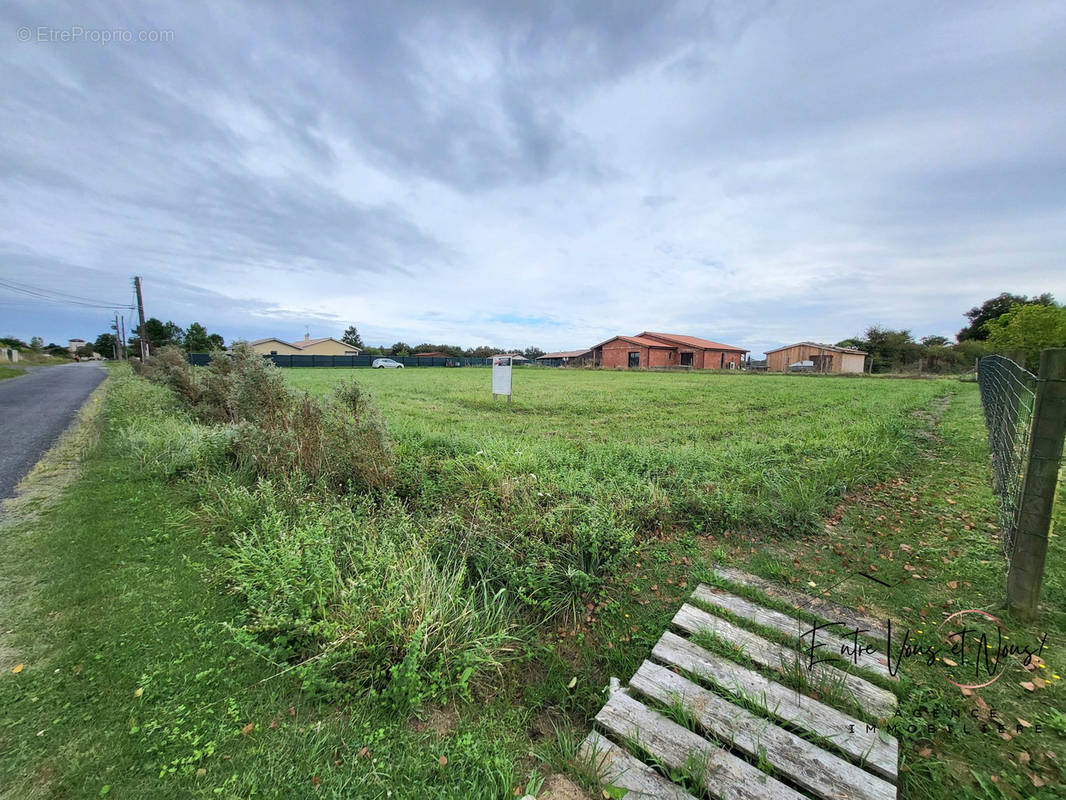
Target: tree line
x,y
351,336
1004,323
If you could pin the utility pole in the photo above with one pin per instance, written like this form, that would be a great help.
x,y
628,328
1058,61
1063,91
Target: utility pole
x,y
140,314
124,355
117,344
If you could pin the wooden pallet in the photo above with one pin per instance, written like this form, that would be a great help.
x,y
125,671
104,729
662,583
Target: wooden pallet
x,y
746,735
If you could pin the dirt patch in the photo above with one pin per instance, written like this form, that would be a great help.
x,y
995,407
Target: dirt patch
x,y
560,787
441,720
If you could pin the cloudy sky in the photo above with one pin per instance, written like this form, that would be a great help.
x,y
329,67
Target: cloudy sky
x,y
531,173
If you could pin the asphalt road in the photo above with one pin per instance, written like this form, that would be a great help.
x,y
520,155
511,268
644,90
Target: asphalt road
x,y
34,409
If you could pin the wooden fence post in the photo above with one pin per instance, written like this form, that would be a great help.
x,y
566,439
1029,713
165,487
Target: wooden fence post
x,y
1039,486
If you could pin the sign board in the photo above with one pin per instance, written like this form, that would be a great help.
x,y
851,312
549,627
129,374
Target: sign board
x,y
501,376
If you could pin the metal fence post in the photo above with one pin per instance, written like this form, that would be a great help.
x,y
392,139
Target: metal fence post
x,y
1039,486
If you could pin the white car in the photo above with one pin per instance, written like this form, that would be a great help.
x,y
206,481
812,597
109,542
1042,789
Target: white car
x,y
386,363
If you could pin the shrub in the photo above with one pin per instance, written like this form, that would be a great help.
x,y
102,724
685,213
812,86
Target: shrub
x,y
278,432
170,367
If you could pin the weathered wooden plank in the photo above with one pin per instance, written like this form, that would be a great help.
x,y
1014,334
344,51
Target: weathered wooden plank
x,y
803,763
616,767
825,642
820,606
721,773
879,750
881,702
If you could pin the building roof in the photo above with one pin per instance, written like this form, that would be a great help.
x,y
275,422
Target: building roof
x,y
832,348
433,354
512,356
308,342
636,340
269,339
567,354
692,341
302,343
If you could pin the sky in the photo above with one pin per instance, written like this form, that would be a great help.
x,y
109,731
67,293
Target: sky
x,y
535,173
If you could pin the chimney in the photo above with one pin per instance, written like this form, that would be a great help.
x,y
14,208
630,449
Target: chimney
x,y
307,336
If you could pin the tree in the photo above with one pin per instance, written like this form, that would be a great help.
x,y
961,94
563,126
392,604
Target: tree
x,y
85,351
889,350
1030,328
935,341
215,341
106,345
351,336
532,353
196,340
995,308
400,349
162,333
37,344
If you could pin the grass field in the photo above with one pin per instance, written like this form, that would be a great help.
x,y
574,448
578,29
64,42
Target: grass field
x,y
10,372
164,631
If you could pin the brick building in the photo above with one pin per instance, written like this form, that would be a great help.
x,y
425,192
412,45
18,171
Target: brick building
x,y
649,350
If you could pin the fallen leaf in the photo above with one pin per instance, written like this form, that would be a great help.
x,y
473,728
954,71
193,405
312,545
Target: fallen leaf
x,y
1028,686
1024,724
953,584
18,669
248,728
925,751
201,772
364,752
949,662
1023,757
1036,780
138,691
443,760
315,781
273,723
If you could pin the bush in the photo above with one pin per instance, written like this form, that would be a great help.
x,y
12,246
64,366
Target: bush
x,y
340,440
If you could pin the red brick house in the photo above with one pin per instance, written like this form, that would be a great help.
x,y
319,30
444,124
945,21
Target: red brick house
x,y
649,350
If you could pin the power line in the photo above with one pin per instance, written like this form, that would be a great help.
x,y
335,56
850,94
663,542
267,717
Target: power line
x,y
55,296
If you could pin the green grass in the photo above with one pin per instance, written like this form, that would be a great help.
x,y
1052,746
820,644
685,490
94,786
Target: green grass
x,y
593,503
10,372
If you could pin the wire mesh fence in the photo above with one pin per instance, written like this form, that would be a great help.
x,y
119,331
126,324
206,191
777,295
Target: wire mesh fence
x,y
1008,394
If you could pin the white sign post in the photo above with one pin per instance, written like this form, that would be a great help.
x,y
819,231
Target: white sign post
x,y
501,376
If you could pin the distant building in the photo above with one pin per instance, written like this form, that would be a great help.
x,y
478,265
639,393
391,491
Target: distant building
x,y
326,346
571,357
516,358
826,358
74,344
649,350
